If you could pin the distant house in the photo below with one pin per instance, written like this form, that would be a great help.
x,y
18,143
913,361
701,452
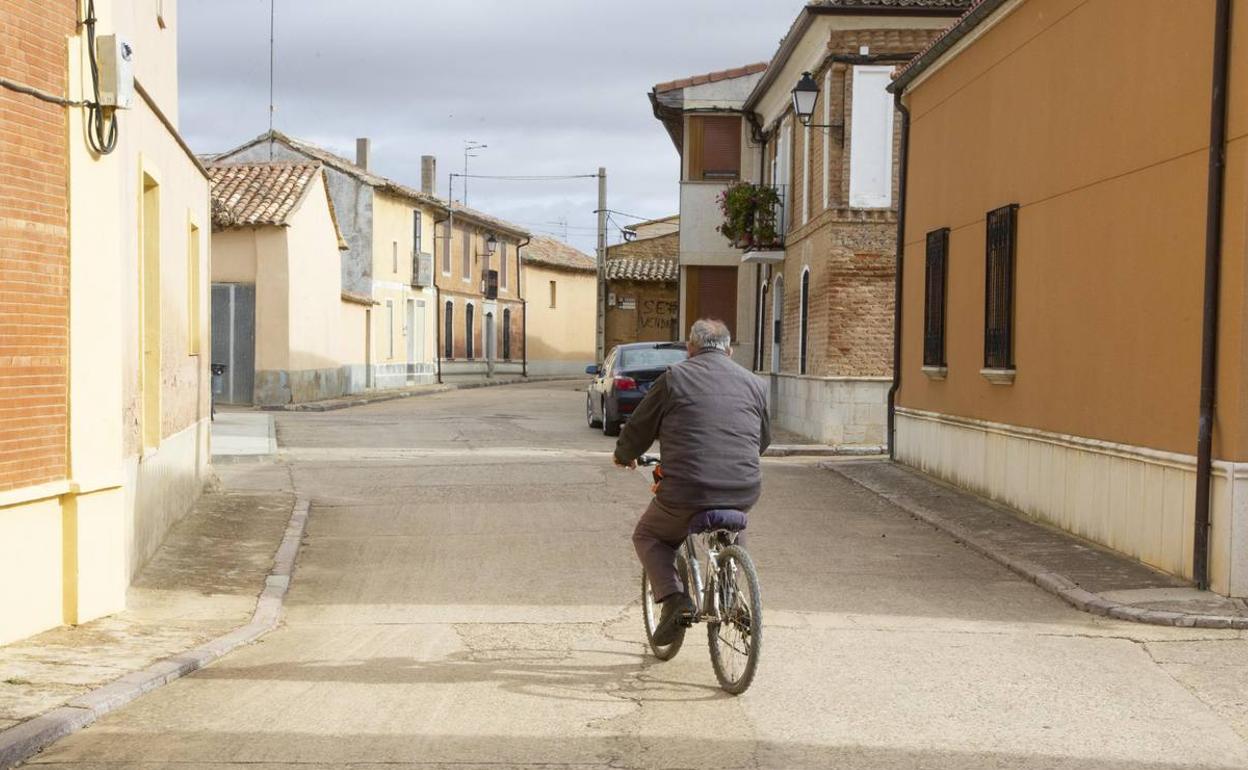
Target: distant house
x,y
643,279
281,322
560,289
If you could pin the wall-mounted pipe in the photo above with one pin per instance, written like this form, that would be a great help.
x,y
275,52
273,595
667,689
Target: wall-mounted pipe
x,y
899,263
1213,261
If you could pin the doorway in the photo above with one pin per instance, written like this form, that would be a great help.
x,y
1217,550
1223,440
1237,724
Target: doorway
x,y
777,323
234,341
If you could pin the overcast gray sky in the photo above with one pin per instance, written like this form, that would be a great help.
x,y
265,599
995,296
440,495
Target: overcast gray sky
x,y
552,86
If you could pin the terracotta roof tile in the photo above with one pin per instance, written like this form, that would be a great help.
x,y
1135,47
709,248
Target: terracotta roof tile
x,y
550,251
711,77
643,269
246,194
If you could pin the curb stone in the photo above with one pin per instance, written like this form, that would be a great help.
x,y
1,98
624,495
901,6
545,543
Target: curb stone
x,y
22,741
1057,584
346,402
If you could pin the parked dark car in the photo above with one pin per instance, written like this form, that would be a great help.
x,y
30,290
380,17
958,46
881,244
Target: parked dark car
x,y
622,380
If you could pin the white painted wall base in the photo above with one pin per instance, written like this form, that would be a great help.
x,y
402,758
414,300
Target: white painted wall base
x,y
560,368
1136,500
161,486
840,411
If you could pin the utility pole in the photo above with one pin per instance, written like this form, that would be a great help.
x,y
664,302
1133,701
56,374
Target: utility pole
x,y
469,146
602,265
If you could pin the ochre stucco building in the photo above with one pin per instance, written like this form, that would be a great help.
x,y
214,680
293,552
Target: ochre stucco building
x,y
1054,271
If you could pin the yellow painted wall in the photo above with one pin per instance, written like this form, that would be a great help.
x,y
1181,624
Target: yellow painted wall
x,y
565,332
314,275
392,231
1066,108
68,554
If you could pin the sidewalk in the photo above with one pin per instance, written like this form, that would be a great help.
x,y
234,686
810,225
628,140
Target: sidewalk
x,y
786,443
377,396
242,435
203,583
1086,575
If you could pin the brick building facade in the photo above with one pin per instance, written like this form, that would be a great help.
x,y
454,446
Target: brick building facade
x,y
643,280
34,245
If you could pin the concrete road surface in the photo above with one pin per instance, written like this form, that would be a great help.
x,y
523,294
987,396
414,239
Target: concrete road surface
x,y
467,598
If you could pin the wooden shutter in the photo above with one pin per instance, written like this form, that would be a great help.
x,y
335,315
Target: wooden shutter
x,y
714,147
934,301
711,292
999,289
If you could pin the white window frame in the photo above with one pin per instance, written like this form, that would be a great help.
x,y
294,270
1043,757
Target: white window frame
x,y
502,266
390,326
803,329
466,255
827,120
870,163
418,230
784,168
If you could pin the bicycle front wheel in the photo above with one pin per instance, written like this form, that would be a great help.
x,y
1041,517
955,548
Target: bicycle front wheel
x,y
736,638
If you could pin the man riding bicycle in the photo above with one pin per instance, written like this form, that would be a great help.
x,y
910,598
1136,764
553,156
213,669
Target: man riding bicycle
x,y
709,415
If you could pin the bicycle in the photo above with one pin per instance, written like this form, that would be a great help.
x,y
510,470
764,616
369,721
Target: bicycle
x,y
729,602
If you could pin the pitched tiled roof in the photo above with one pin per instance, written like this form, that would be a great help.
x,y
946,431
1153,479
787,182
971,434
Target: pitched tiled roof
x,y
711,77
891,4
549,251
246,194
348,167
643,269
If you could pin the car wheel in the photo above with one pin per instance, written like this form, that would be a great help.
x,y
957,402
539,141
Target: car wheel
x,y
589,413
609,427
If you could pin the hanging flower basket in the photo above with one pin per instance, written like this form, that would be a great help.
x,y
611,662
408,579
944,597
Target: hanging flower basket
x,y
750,212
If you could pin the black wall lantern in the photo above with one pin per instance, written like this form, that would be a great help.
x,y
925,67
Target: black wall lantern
x,y
805,94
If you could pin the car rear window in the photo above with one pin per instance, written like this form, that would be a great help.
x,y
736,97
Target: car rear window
x,y
641,358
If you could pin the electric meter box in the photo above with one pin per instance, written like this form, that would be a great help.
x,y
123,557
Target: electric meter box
x,y
114,57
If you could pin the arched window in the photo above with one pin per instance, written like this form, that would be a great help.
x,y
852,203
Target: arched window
x,y
448,331
469,353
805,318
507,334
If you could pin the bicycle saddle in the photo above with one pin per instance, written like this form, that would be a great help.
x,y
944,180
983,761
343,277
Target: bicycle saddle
x,y
717,518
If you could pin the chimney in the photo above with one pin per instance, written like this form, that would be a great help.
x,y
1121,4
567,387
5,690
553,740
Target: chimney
x,y
361,153
428,174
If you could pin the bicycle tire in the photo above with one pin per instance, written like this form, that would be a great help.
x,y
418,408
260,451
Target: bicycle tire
x,y
738,684
649,613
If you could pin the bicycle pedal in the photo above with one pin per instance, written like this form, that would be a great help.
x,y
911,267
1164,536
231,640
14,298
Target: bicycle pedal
x,y
688,619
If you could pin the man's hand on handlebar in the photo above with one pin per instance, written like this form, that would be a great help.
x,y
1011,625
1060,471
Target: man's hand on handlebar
x,y
631,464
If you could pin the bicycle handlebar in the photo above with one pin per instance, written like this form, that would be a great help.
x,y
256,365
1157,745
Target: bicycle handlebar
x,y
647,460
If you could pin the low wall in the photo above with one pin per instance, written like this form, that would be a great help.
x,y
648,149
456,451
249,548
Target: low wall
x,y
467,371
1135,500
840,411
559,368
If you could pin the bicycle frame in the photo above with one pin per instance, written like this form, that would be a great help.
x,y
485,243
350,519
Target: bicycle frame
x,y
705,595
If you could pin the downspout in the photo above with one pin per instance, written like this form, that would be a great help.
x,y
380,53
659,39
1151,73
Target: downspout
x,y
524,310
438,320
899,265
1213,262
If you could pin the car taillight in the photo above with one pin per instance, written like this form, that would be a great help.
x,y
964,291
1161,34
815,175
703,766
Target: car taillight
x,y
625,383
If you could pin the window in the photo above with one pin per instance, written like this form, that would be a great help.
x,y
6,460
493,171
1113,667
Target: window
x,y
934,298
804,331
999,294
417,222
390,325
502,264
149,310
448,331
714,147
552,294
506,333
469,333
782,170
711,292
871,139
394,257
467,264
193,330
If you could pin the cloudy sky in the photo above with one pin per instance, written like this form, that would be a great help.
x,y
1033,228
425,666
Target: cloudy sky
x,y
551,86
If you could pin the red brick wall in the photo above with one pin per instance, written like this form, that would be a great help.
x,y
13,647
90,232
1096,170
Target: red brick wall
x,y
34,243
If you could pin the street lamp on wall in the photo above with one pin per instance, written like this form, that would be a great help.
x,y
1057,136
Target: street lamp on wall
x,y
805,94
491,245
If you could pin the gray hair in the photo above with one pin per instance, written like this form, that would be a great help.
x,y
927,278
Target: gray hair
x,y
707,333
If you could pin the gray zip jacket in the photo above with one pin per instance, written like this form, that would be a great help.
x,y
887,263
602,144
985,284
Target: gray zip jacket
x,y
710,416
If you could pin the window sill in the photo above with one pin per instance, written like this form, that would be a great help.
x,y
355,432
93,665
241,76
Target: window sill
x,y
998,376
936,372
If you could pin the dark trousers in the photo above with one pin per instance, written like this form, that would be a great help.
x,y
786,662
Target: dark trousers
x,y
659,534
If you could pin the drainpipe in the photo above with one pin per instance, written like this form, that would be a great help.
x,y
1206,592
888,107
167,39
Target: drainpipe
x,y
1213,261
899,261
438,319
524,310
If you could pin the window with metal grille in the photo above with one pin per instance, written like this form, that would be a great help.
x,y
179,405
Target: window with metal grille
x,y
999,294
449,331
506,334
805,328
934,297
469,334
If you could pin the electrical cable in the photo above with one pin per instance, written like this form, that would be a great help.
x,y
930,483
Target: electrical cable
x,y
102,129
537,178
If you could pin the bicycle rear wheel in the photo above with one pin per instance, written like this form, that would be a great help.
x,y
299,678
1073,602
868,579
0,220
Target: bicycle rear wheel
x,y
650,613
736,640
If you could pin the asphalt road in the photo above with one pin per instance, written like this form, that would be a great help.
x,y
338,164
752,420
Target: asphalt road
x,y
467,597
